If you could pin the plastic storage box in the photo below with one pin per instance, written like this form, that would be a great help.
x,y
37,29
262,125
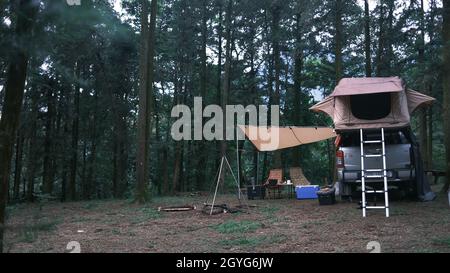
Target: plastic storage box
x,y
327,196
256,192
307,192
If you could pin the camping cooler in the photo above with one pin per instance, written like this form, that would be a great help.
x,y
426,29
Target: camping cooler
x,y
307,192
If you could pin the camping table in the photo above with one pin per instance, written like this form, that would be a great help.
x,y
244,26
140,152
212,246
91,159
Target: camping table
x,y
290,189
281,188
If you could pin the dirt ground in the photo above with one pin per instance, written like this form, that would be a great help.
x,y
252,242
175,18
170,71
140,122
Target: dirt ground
x,y
281,225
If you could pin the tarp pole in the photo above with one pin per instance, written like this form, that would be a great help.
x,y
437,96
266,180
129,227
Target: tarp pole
x,y
257,168
217,184
234,177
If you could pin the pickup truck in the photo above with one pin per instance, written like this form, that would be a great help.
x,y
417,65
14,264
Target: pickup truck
x,y
399,161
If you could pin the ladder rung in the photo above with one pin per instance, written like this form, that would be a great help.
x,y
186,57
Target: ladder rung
x,y
372,141
377,155
373,170
372,191
376,207
375,176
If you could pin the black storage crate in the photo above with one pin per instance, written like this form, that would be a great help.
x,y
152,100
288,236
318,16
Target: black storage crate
x,y
326,197
256,192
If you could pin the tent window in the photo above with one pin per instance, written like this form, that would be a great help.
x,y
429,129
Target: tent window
x,y
371,106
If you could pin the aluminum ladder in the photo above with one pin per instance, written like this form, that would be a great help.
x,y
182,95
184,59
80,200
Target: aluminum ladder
x,y
366,173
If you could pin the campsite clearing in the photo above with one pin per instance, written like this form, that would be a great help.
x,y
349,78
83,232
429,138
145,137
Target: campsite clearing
x,y
282,225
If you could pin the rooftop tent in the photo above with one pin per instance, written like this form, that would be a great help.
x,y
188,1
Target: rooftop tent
x,y
371,103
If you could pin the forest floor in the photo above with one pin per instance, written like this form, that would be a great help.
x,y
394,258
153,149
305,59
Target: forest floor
x,y
281,225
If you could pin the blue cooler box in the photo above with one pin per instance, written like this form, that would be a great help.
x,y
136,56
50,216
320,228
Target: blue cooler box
x,y
307,192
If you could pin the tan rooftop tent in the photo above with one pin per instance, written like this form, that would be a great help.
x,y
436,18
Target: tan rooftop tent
x,y
274,138
371,103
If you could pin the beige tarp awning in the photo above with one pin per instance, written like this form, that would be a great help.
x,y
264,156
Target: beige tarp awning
x,y
274,138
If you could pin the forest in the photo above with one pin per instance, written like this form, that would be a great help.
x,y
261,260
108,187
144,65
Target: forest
x,y
87,87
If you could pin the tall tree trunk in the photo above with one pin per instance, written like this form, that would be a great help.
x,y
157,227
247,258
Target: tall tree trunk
x,y
158,144
446,87
90,169
165,171
389,39
423,124
165,149
201,146
177,167
219,70
18,166
270,79
32,144
90,183
145,98
12,104
142,124
64,144
276,9
227,74
115,184
83,184
120,152
177,99
431,34
220,53
254,92
298,96
367,40
338,40
430,131
203,57
48,171
381,41
75,134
